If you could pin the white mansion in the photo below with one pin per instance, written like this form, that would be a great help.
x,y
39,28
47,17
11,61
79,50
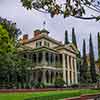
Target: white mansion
x,y
51,58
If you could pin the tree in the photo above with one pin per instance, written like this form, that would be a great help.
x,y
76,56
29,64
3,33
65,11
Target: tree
x,y
13,67
98,45
6,44
92,62
74,37
68,8
66,37
11,28
84,67
6,47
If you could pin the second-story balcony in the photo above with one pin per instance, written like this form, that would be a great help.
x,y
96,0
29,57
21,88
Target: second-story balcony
x,y
44,58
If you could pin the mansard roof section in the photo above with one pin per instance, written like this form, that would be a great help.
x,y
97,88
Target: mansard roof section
x,y
43,36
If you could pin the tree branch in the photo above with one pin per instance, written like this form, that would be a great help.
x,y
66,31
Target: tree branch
x,y
86,18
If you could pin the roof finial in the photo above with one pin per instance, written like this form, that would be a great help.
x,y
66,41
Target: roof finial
x,y
44,24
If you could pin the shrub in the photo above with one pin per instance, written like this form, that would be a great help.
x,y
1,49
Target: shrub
x,y
59,82
39,85
75,86
27,85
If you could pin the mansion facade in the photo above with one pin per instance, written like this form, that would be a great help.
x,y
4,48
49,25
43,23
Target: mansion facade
x,y
51,59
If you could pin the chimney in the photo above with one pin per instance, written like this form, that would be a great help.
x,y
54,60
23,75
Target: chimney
x,y
37,33
25,38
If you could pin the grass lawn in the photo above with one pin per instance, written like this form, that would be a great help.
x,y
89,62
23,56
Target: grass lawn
x,y
50,95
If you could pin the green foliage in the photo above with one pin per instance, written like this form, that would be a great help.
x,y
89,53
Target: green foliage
x,y
13,66
98,45
14,69
59,82
50,95
69,8
6,44
84,68
39,85
92,63
11,28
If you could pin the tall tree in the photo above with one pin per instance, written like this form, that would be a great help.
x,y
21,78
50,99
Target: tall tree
x,y
74,37
66,37
11,28
99,45
84,67
6,47
92,62
6,44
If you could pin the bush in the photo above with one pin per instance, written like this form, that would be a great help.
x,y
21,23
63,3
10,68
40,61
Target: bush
x,y
75,86
32,83
39,85
27,85
59,83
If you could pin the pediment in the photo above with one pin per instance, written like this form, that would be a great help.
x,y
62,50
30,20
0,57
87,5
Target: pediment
x,y
72,47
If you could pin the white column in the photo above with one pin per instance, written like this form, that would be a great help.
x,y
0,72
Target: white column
x,y
68,70
49,77
64,67
75,65
54,77
72,71
44,76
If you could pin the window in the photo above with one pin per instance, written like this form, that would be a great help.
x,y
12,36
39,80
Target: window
x,y
38,43
46,44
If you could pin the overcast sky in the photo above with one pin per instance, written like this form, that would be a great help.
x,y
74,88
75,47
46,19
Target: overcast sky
x,y
28,21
